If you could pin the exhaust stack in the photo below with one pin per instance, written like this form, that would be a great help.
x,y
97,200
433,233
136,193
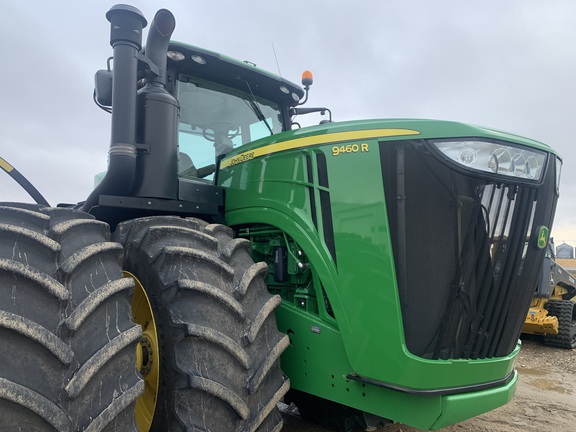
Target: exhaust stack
x,y
157,128
157,42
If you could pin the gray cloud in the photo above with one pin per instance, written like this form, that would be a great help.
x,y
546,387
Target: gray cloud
x,y
508,65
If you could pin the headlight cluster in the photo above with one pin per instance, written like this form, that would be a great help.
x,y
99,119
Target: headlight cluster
x,y
495,157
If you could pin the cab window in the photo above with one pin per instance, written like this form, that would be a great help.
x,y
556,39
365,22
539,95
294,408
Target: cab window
x,y
216,119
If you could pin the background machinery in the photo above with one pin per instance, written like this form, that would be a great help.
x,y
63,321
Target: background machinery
x,y
381,269
552,311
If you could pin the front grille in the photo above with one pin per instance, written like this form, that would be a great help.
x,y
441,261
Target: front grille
x,y
465,256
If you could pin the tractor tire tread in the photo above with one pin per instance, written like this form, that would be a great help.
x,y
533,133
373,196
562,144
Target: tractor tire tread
x,y
38,334
216,322
118,405
96,362
265,311
62,300
214,336
31,218
565,310
36,403
215,293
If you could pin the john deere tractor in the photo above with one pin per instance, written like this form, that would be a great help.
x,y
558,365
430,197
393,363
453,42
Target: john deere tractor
x,y
380,269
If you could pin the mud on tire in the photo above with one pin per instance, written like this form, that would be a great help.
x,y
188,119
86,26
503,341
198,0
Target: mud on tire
x,y
68,341
220,346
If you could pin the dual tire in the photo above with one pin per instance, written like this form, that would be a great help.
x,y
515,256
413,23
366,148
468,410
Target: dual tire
x,y
219,345
70,344
67,337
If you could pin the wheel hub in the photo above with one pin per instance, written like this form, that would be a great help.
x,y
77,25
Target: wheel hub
x,y
145,356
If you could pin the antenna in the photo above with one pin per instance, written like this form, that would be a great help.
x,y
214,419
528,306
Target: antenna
x,y
277,64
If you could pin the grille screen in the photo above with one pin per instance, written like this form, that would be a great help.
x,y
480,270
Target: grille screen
x,y
465,262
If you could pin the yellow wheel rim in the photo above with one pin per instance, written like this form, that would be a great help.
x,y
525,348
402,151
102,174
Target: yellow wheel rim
x,y
147,356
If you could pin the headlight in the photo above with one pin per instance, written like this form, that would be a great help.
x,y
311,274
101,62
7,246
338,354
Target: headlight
x,y
495,157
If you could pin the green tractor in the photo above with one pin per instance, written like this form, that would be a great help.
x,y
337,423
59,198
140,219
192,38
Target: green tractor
x,y
366,271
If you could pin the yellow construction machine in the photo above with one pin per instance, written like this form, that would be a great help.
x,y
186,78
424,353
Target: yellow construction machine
x,y
552,311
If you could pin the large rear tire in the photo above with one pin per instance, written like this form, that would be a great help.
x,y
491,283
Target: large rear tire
x,y
218,343
68,341
565,310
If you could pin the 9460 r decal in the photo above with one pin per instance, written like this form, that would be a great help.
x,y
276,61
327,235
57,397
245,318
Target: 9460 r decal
x,y
350,148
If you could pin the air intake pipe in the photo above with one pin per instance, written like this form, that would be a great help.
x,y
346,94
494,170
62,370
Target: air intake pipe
x,y
126,24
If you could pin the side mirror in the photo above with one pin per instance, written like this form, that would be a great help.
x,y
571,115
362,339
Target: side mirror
x,y
103,87
322,111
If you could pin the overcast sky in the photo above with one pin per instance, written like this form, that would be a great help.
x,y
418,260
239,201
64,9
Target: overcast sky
x,y
510,65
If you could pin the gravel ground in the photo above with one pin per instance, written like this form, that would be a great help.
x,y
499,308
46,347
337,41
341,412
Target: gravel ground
x,y
545,398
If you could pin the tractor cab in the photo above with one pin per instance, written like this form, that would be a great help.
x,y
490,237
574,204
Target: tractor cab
x,y
189,112
224,103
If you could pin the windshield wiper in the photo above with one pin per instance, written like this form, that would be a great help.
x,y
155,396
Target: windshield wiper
x,y
256,108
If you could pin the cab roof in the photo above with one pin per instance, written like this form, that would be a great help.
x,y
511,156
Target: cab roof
x,y
240,75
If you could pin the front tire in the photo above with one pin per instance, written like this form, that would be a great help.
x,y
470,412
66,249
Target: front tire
x,y
68,341
219,346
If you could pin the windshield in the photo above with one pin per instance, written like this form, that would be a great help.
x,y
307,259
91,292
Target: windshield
x,y
216,119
